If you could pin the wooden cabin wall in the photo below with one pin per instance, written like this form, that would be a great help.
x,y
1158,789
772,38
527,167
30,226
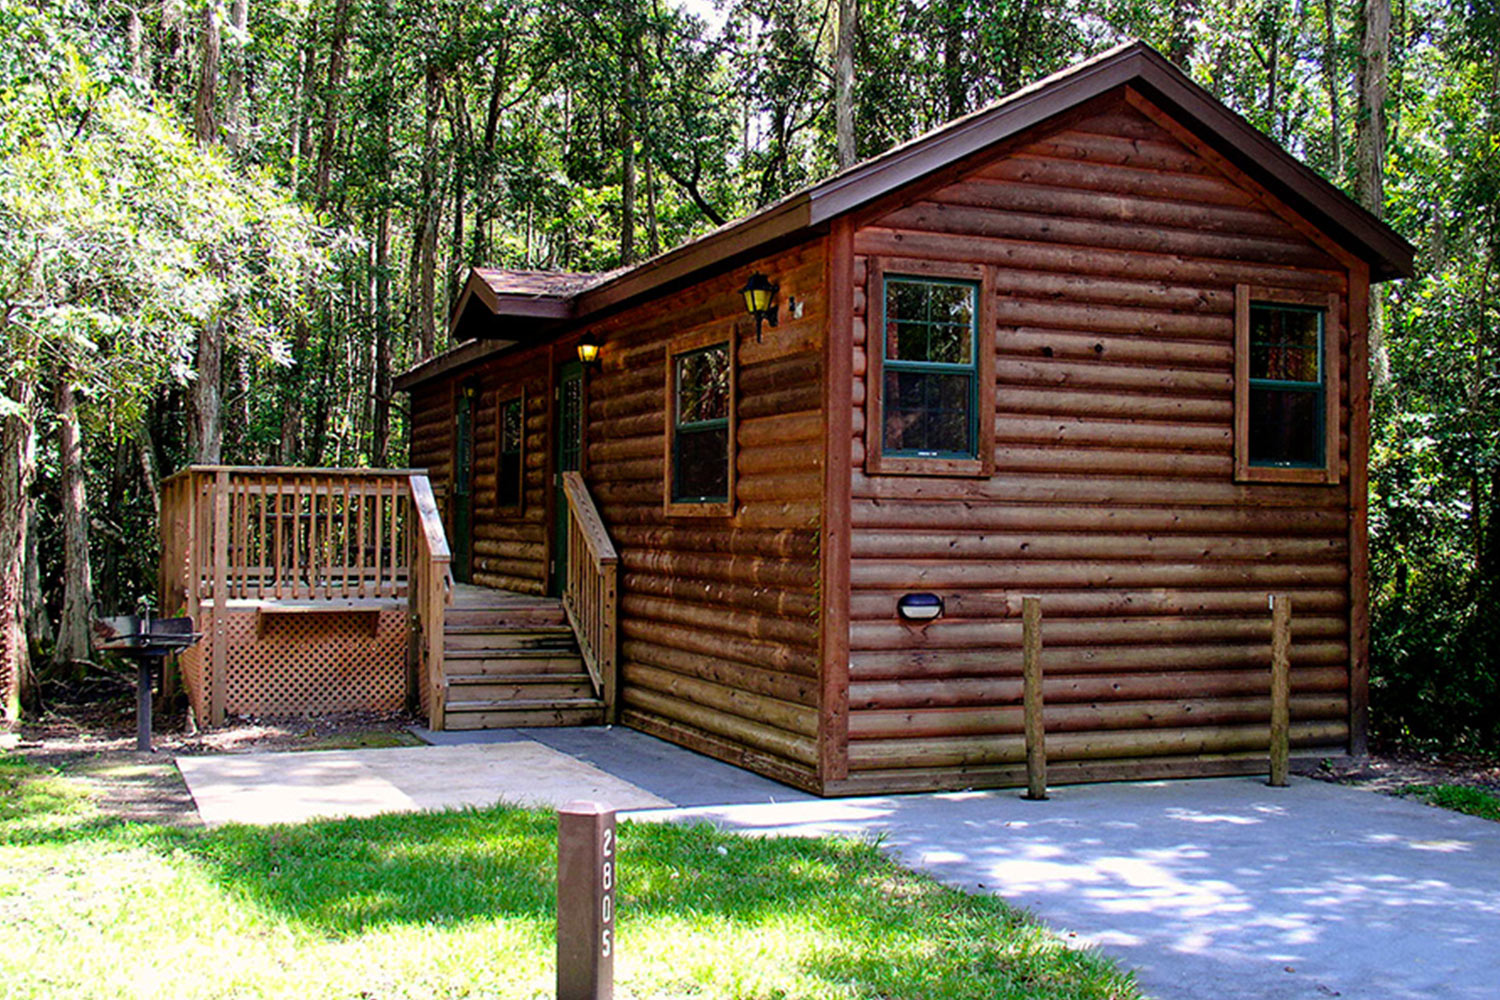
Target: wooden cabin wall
x,y
719,616
1114,251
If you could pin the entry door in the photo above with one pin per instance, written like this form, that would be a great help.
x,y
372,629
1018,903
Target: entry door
x,y
568,442
463,483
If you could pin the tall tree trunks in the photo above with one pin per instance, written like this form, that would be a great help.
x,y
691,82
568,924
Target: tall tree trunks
x,y
843,79
206,397
74,643
205,119
1113,246
1369,148
425,228
17,467
332,94
1334,86
236,122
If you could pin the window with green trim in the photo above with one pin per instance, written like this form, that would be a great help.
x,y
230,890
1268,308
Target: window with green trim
x,y
701,391
1287,382
930,372
509,483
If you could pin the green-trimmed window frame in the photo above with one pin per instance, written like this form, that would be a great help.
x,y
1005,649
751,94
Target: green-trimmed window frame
x,y
510,448
680,501
1320,437
884,454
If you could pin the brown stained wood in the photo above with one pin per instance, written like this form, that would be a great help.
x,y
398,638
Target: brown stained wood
x,y
834,545
764,655
731,751
1108,179
1031,671
1281,687
794,688
1032,198
881,604
904,544
1316,688
779,604
220,563
1083,632
976,574
1099,489
755,736
1093,661
730,700
1164,710
1359,543
968,751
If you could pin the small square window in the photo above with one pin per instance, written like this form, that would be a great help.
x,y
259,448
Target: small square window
x,y
1286,387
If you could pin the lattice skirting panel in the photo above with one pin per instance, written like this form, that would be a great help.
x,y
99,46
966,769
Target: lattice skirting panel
x,y
306,664
190,663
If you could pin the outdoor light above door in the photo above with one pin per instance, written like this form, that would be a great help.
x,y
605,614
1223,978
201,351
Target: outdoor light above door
x,y
760,300
588,348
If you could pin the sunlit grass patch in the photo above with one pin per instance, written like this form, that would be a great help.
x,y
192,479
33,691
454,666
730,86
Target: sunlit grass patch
x,y
462,904
1459,798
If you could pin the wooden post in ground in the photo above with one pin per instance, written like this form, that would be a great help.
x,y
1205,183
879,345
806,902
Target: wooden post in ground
x,y
585,901
1031,666
1281,688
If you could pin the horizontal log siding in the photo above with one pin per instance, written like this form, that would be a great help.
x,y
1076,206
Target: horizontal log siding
x,y
1115,252
718,615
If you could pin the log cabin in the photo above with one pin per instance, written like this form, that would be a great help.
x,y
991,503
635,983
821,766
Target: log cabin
x,y
1101,342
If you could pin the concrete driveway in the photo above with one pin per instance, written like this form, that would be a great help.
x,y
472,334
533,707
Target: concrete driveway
x,y
1216,889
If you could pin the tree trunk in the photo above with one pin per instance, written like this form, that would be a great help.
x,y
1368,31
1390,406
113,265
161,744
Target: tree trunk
x,y
1331,83
627,187
74,643
38,622
331,91
205,430
1369,150
205,126
17,465
425,233
235,126
843,95
133,42
653,230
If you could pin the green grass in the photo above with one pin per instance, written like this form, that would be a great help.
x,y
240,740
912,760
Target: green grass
x,y
1460,798
461,904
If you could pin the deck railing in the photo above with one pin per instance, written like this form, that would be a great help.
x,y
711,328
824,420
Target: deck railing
x,y
296,536
431,593
590,592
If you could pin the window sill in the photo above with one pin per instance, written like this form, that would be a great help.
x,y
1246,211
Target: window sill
x,y
1282,474
912,465
721,508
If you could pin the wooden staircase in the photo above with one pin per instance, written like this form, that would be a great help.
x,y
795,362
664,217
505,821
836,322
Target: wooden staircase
x,y
512,660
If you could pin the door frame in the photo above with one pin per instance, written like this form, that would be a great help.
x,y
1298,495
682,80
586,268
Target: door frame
x,y
466,397
563,366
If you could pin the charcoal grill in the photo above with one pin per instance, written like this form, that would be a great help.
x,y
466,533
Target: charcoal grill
x,y
148,641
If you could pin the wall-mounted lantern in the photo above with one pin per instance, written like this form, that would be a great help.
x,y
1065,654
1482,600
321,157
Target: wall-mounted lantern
x,y
920,607
588,348
760,300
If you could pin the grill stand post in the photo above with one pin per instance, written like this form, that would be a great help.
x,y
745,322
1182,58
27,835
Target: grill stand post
x,y
143,666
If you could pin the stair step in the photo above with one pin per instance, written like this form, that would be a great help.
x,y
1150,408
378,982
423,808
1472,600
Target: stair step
x,y
487,637
511,661
518,688
504,616
536,712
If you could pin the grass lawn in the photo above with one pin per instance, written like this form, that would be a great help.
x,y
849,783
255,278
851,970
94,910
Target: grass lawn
x,y
461,904
1460,798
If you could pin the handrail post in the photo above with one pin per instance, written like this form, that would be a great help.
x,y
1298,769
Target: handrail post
x,y
1281,689
218,665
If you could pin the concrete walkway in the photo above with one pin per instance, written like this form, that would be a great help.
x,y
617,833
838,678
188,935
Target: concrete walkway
x,y
1218,889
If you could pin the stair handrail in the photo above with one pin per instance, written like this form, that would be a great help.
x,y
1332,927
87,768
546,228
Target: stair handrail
x,y
591,590
431,592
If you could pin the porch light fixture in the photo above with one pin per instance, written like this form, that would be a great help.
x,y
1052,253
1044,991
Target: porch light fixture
x,y
760,299
588,349
920,607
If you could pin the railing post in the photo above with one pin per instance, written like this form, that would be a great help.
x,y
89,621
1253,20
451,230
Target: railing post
x,y
1281,689
220,636
1031,667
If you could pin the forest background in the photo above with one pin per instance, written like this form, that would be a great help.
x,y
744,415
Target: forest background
x,y
225,225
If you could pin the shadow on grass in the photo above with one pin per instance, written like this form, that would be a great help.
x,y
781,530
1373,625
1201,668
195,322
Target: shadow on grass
x,y
851,919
